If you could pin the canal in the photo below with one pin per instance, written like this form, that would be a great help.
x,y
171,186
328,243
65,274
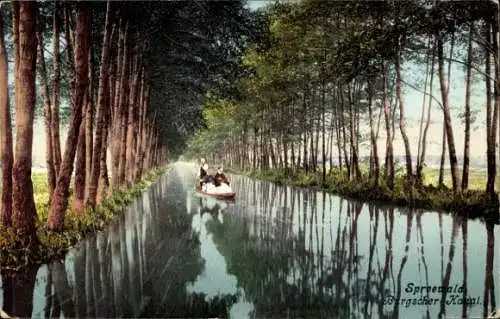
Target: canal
x,y
275,252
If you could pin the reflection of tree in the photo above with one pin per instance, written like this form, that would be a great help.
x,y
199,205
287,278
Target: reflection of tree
x,y
62,290
422,255
18,292
464,266
446,278
370,284
295,253
139,266
388,230
51,303
277,278
489,283
409,219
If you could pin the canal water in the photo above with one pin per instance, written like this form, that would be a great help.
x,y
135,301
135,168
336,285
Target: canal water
x,y
275,252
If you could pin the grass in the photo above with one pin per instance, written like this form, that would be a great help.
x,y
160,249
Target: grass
x,y
477,178
473,203
17,254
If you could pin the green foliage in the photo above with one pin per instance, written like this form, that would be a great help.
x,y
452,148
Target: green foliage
x,y
219,117
197,48
16,254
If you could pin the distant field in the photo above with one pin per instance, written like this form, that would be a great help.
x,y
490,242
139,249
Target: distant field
x,y
477,179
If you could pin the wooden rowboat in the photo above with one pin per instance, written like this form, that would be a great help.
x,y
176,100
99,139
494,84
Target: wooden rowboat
x,y
225,196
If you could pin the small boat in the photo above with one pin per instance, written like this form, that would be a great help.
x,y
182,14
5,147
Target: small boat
x,y
220,196
4,315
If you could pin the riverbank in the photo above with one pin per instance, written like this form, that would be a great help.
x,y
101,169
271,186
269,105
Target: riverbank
x,y
474,203
15,256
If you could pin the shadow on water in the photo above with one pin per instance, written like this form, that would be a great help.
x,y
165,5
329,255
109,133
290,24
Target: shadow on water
x,y
276,252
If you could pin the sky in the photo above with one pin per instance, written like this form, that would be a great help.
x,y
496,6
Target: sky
x,y
256,4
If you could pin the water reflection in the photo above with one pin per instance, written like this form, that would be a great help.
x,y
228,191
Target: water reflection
x,y
276,252
307,253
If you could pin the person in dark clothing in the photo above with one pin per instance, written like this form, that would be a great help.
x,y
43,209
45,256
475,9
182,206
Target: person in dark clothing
x,y
220,177
203,171
208,179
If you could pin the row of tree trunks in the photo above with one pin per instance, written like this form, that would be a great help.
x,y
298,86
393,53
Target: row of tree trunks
x,y
122,116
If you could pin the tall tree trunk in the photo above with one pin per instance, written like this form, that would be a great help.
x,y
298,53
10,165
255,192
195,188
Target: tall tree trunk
x,y
140,126
79,182
47,112
353,136
24,210
89,127
465,171
101,100
149,145
491,119
305,155
5,135
422,116
143,135
103,184
123,107
447,117
131,116
115,114
60,200
389,163
330,141
428,121
338,131
402,124
373,138
56,89
344,135
443,158
323,128
488,102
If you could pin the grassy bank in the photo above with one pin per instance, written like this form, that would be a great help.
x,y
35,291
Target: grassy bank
x,y
474,203
16,255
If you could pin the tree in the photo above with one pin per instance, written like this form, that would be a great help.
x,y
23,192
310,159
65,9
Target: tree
x,y
5,135
100,116
465,171
25,43
48,113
